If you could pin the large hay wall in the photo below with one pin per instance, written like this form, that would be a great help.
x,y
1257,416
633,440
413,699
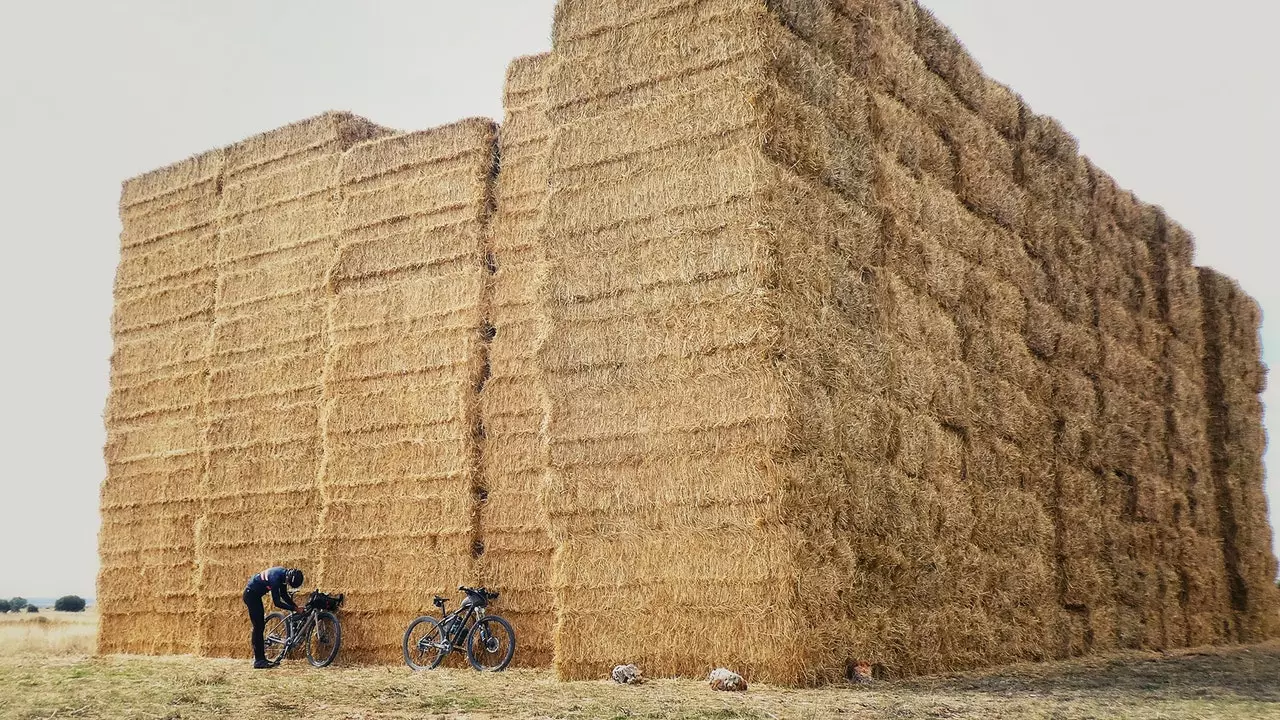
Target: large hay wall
x,y
277,238
406,355
693,485
1003,407
764,333
516,557
151,498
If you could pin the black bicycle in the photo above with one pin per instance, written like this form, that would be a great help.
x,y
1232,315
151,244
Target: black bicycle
x,y
315,627
489,640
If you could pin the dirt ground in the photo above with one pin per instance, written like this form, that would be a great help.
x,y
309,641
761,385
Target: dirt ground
x,y
1212,683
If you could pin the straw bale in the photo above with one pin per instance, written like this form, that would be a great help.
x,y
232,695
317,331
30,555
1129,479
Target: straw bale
x,y
651,54
927,266
784,298
911,140
192,215
889,63
1005,408
399,422
180,255
518,548
1075,402
917,319
162,307
1130,368
945,55
154,415
271,151
1004,354
987,190
1047,137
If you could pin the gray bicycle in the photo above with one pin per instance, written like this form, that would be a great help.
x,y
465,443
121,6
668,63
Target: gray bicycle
x,y
315,628
489,641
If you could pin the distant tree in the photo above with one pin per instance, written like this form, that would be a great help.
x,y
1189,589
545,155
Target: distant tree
x,y
17,604
69,603
33,609
5,606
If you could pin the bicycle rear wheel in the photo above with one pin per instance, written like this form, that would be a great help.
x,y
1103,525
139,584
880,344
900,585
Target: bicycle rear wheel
x,y
324,640
275,637
491,644
424,644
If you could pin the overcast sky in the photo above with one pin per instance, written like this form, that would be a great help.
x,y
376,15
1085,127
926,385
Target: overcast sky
x,y
1177,102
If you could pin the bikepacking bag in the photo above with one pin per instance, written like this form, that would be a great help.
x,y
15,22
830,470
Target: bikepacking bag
x,y
321,601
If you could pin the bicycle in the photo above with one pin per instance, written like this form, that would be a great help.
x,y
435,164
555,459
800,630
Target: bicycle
x,y
316,627
488,637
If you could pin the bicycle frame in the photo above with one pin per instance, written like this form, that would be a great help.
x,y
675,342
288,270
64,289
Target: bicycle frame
x,y
464,625
297,633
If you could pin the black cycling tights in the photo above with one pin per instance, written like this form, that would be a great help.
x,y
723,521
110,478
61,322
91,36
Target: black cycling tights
x,y
258,618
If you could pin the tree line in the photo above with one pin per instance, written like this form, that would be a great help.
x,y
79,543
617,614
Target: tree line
x,y
66,603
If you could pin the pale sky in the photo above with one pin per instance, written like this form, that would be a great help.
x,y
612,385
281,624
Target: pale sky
x,y
1177,102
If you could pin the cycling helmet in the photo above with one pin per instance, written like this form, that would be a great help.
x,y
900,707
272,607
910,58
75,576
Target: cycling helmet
x,y
294,577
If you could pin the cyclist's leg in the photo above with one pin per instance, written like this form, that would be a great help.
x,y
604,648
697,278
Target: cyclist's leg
x,y
258,619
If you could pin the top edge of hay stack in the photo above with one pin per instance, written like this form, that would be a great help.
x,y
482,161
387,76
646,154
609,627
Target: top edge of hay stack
x,y
770,335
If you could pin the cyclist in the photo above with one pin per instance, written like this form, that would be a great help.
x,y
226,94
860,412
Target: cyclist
x,y
271,580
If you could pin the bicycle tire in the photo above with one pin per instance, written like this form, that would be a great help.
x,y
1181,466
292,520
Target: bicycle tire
x,y
275,637
477,630
433,628
317,629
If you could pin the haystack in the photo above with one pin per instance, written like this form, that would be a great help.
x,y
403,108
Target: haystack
x,y
765,333
1236,377
516,557
152,496
407,300
277,238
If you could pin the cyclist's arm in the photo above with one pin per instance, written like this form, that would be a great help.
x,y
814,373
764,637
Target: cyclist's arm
x,y
281,598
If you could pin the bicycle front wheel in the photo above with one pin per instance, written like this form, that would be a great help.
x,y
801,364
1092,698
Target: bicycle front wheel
x,y
424,644
491,644
324,640
275,637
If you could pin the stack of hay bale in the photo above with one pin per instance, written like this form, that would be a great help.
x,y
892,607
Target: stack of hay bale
x,y
784,339
1236,377
406,354
517,549
695,484
970,398
1195,548
277,238
155,414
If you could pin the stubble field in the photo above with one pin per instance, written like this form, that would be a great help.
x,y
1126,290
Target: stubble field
x,y
47,670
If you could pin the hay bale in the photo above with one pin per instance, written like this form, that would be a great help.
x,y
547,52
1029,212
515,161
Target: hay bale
x,y
263,440
154,414
517,547
401,425
1234,376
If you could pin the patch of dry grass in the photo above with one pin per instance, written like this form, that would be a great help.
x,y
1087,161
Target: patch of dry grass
x,y
1226,683
48,633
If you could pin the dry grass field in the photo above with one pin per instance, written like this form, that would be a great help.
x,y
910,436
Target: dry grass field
x,y
47,671
48,634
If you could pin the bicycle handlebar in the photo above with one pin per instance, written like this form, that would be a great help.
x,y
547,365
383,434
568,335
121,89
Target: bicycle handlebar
x,y
479,591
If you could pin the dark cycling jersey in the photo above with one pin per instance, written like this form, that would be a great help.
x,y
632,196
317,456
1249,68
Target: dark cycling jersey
x,y
273,580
